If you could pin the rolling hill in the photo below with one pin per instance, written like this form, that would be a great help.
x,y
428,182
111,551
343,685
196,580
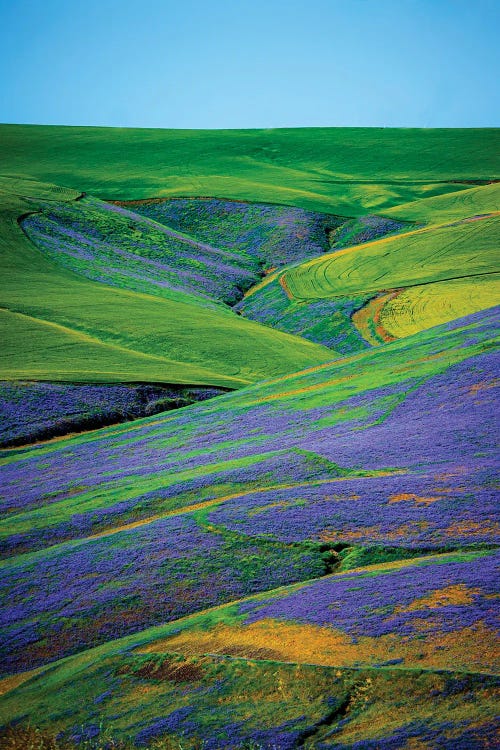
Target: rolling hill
x,y
307,557
350,171
60,325
393,286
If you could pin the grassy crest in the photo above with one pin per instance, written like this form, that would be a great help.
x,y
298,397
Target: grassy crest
x,y
350,171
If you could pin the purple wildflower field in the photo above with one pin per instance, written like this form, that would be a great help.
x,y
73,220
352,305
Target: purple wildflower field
x,y
119,247
365,229
342,470
324,321
380,429
85,593
383,602
276,235
32,411
408,511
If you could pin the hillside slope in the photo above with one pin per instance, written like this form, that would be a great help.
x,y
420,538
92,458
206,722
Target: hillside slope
x,y
350,171
308,557
325,470
394,286
323,673
57,325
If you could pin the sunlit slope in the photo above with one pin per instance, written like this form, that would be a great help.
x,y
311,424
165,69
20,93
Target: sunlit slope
x,y
421,307
350,171
411,281
77,329
327,621
36,349
422,256
322,665
384,422
462,204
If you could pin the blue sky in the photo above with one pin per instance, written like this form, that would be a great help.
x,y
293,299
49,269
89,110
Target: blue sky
x,y
257,63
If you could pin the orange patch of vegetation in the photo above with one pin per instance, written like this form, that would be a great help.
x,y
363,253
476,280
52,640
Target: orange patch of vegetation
x,y
334,535
473,648
411,497
482,386
415,744
473,528
146,690
10,683
285,287
457,594
367,319
284,641
406,530
456,472
391,565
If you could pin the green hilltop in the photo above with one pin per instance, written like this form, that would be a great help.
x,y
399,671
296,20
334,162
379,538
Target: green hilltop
x,y
349,171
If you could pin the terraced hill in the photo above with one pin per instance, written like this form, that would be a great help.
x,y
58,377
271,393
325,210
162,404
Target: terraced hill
x,y
308,557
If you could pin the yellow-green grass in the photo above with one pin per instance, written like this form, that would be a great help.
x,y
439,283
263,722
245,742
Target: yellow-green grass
x,y
37,349
421,256
349,171
452,206
430,305
61,326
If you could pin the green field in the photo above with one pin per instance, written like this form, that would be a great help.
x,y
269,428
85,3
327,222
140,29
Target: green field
x,y
450,207
442,270
349,171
